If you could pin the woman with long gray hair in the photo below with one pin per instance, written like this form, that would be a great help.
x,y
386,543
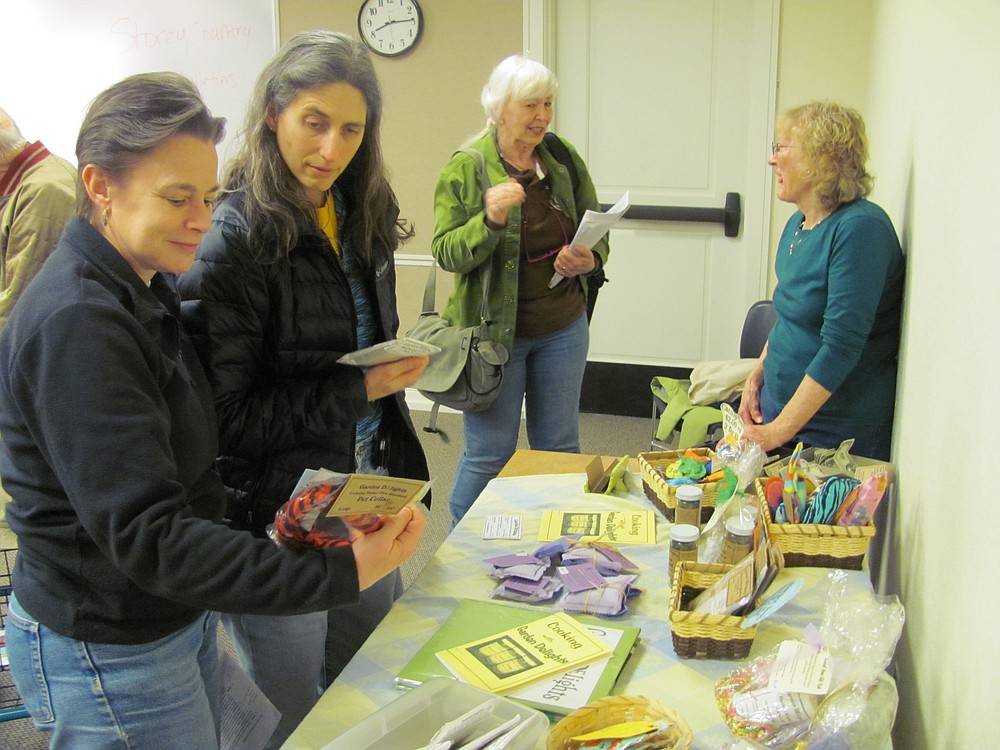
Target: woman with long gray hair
x,y
296,271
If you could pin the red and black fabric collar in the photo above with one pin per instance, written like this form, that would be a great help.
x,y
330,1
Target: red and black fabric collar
x,y
29,157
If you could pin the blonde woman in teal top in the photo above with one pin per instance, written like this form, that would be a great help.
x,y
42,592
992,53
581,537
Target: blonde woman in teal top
x,y
828,371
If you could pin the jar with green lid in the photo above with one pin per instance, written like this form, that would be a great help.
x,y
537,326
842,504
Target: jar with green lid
x,y
688,510
683,544
738,542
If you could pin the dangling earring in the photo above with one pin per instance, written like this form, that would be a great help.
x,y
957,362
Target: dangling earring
x,y
104,217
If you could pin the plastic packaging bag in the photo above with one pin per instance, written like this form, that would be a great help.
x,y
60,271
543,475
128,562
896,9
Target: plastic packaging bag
x,y
303,523
857,707
743,459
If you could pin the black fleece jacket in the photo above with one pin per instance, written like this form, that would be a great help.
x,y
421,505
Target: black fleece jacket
x,y
109,441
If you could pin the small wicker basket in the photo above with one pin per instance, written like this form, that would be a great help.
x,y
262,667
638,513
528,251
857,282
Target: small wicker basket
x,y
662,494
616,709
700,636
816,545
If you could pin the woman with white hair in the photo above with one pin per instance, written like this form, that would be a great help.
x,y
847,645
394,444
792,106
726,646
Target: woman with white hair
x,y
519,231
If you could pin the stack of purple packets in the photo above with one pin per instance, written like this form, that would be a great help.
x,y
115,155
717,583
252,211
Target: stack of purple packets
x,y
523,578
596,577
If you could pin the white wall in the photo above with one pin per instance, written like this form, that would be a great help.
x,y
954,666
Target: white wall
x,y
934,121
926,77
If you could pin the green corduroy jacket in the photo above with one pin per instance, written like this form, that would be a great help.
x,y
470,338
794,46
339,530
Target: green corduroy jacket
x,y
463,244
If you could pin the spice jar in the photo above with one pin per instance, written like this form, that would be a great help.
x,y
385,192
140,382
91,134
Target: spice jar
x,y
688,509
683,545
738,542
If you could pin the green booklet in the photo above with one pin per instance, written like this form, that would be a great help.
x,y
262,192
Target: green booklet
x,y
559,693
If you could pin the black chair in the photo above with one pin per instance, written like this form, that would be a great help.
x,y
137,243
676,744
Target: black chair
x,y
756,327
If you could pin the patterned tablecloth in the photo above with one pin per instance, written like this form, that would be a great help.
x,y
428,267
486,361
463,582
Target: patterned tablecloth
x,y
458,571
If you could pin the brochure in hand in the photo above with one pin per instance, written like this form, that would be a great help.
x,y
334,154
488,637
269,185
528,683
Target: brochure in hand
x,y
558,693
389,351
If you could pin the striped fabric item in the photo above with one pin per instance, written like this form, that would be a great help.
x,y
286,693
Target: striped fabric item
x,y
32,154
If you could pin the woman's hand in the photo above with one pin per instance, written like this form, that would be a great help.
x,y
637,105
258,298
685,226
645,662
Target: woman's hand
x,y
380,552
575,261
768,436
391,377
802,407
500,198
750,400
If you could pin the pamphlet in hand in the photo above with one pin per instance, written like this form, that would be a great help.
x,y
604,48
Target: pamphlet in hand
x,y
364,493
389,351
593,227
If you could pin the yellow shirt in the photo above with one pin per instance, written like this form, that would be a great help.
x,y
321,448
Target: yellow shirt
x,y
327,217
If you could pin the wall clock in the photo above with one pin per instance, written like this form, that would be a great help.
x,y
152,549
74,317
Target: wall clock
x,y
390,27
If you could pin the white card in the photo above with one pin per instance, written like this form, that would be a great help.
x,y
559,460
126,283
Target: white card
x,y
800,668
502,527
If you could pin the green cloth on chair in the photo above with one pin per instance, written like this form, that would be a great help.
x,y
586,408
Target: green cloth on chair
x,y
694,420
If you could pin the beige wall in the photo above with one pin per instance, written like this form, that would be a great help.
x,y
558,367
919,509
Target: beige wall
x,y
924,76
935,122
830,65
431,104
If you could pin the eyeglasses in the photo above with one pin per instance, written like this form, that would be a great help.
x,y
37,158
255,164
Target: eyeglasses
x,y
534,255
776,147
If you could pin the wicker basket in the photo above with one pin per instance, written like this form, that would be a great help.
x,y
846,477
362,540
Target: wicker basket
x,y
699,636
816,545
661,494
616,709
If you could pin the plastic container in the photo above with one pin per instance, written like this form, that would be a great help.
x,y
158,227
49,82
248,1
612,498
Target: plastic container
x,y
683,545
688,497
738,542
410,720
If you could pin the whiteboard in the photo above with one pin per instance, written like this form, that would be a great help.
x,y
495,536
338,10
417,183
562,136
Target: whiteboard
x,y
57,55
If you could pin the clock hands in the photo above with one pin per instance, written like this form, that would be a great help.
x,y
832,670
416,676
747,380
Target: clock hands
x,y
390,23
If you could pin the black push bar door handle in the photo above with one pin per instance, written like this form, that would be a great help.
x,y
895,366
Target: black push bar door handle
x,y
729,216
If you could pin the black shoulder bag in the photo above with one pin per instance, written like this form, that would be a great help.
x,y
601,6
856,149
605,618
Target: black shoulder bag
x,y
561,154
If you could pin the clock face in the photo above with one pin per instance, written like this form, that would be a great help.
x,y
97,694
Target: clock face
x,y
390,27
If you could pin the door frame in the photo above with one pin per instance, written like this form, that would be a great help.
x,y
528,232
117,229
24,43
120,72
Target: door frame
x,y
631,381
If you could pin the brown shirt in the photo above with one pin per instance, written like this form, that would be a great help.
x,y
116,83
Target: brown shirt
x,y
544,230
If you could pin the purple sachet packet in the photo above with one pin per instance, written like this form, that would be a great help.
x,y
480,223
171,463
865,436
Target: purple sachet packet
x,y
582,577
606,601
521,590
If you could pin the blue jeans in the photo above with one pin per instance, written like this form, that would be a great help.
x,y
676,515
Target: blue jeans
x,y
546,375
870,440
294,658
163,694
286,656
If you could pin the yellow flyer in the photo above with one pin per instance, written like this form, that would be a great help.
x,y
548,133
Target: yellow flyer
x,y
366,493
511,658
615,526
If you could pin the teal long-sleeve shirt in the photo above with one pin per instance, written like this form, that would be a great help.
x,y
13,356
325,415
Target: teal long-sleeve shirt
x,y
838,305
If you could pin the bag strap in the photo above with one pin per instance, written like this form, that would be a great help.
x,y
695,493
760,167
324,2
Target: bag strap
x,y
561,154
430,287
